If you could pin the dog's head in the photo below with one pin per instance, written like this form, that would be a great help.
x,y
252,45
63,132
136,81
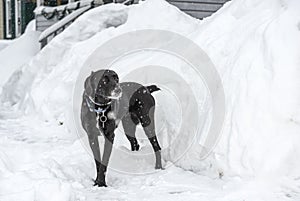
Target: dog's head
x,y
103,83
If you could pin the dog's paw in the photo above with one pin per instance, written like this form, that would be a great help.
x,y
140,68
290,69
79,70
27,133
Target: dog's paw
x,y
100,183
159,167
135,147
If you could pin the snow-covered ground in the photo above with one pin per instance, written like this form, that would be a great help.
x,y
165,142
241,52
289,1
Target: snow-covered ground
x,y
255,47
41,161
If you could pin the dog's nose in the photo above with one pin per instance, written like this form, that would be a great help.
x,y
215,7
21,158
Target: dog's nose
x,y
118,90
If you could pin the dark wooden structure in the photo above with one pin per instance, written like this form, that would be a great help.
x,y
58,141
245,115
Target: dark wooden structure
x,y
15,16
198,8
60,25
48,16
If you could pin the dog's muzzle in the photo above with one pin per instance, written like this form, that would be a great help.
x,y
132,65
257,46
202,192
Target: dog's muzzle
x,y
116,93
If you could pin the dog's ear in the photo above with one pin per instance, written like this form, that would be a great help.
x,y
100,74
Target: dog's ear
x,y
88,87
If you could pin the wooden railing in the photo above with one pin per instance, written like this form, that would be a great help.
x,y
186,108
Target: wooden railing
x,y
47,16
60,26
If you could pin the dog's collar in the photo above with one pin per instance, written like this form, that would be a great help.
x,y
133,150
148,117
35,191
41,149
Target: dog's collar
x,y
93,109
94,102
89,101
110,97
101,110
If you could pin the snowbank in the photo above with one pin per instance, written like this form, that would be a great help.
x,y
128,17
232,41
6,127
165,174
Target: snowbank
x,y
18,52
4,44
254,45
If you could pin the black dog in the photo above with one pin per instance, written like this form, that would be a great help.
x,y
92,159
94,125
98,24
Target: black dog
x,y
105,103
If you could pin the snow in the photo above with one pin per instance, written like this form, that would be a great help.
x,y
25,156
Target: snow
x,y
18,52
254,46
4,44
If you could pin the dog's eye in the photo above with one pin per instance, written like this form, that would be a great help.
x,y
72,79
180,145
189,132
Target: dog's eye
x,y
115,77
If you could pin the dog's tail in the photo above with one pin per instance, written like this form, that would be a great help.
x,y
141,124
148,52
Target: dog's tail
x,y
152,88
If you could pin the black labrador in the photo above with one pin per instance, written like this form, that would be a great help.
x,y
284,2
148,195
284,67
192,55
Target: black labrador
x,y
105,103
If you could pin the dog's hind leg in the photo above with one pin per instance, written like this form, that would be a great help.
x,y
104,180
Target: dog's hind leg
x,y
129,123
148,123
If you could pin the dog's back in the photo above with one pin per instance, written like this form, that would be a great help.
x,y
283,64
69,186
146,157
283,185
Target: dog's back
x,y
134,94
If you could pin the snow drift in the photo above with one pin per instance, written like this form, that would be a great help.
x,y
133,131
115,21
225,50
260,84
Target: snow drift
x,y
23,49
254,45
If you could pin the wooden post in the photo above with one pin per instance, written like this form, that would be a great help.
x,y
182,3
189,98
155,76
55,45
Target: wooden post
x,y
2,14
13,18
44,42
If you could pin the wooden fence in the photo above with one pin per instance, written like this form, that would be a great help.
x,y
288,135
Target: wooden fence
x,y
198,8
48,16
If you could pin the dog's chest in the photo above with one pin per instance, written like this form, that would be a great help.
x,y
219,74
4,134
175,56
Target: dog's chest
x,y
120,108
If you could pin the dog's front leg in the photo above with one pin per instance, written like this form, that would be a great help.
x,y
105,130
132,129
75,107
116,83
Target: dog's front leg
x,y
108,143
94,144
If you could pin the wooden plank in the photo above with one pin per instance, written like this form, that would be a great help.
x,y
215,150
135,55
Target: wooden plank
x,y
197,6
201,1
42,23
42,26
199,14
41,18
45,23
41,29
1,20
